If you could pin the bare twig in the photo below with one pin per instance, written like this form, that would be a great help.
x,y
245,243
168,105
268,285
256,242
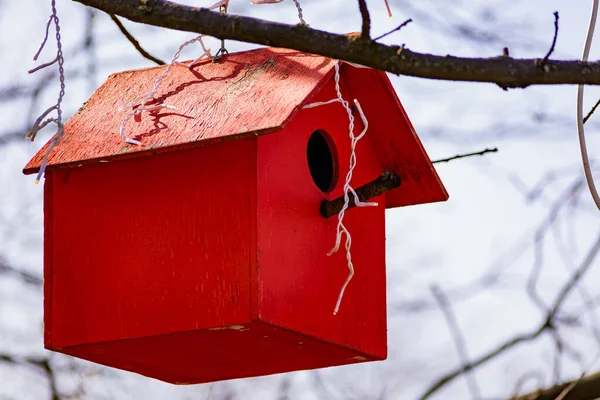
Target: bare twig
x,y
26,277
42,363
402,25
506,72
89,46
366,20
591,111
583,268
134,41
456,157
534,274
459,341
544,326
387,181
545,60
538,375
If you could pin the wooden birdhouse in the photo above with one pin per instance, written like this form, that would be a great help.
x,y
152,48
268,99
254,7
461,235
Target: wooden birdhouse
x,y
201,255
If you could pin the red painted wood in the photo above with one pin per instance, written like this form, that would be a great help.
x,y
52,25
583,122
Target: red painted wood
x,y
299,282
152,246
398,146
202,263
247,94
248,350
48,255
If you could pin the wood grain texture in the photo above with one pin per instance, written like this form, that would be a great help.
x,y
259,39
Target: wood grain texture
x,y
245,94
230,352
48,256
192,264
153,245
248,94
299,282
398,147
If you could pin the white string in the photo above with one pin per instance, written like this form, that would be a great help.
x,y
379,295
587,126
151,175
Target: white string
x,y
296,3
341,228
389,10
580,131
146,97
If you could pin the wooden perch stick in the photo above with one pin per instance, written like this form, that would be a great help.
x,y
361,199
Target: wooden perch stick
x,y
386,182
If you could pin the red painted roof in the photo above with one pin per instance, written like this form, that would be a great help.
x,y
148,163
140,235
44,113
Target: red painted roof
x,y
248,93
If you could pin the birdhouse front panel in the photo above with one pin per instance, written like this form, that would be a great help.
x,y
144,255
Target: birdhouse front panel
x,y
201,255
300,284
150,246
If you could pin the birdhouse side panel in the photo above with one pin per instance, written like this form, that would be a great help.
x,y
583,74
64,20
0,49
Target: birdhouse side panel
x,y
48,246
397,144
152,245
299,282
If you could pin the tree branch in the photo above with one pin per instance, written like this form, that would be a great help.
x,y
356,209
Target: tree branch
x,y
366,20
134,41
458,156
551,50
585,388
25,277
506,72
402,25
459,340
534,334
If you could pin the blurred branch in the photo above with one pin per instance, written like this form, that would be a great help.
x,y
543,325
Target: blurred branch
x,y
584,388
89,46
25,277
42,363
547,324
456,157
459,340
506,72
134,41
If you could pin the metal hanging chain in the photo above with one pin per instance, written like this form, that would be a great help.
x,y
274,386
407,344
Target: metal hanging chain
x,y
222,51
40,122
300,15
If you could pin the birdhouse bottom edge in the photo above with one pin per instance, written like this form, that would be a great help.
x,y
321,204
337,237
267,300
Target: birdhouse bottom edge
x,y
217,354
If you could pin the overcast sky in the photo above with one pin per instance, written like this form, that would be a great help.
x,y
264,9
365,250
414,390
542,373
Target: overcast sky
x,y
485,230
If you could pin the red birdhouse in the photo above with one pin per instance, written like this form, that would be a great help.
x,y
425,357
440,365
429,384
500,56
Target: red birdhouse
x,y
201,255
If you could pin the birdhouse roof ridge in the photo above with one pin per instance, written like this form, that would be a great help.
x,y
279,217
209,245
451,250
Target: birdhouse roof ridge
x,y
245,94
250,93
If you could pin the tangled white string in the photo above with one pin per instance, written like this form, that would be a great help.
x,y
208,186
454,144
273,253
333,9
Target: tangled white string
x,y
40,123
296,3
582,145
341,228
148,96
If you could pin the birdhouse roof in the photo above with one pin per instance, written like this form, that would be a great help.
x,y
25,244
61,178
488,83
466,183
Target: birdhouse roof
x,y
245,94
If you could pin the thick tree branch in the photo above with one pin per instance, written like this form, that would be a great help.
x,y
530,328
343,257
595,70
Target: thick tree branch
x,y
586,388
507,72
